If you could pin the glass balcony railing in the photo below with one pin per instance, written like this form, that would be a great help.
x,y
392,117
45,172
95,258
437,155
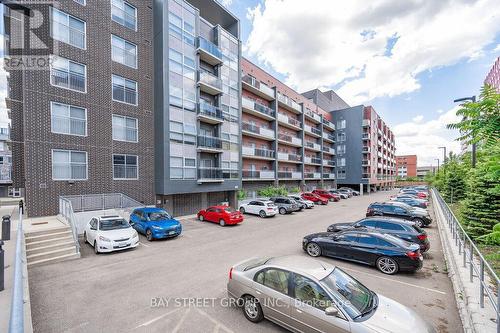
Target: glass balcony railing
x,y
290,175
313,115
284,118
209,47
258,85
312,175
289,138
289,102
328,124
209,142
210,79
209,110
254,174
257,129
253,105
209,173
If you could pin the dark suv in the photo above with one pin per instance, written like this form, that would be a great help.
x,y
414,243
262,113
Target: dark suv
x,y
286,205
405,230
388,209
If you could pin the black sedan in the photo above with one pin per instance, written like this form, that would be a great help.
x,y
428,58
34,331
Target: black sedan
x,y
388,253
405,230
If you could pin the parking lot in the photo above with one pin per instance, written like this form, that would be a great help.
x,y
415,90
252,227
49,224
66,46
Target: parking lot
x,y
114,292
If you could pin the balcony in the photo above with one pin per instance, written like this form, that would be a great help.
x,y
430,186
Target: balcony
x,y
210,175
329,150
312,146
253,85
329,137
209,52
289,103
366,136
258,175
256,109
312,131
209,83
366,122
312,160
312,175
209,144
230,174
313,116
258,132
291,140
263,154
328,124
365,163
289,175
289,157
366,150
328,176
209,113
288,122
366,176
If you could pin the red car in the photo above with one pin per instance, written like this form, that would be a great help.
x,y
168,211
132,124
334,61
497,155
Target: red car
x,y
327,195
314,198
224,215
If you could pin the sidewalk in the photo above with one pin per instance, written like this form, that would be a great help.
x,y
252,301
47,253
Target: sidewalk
x,y
10,249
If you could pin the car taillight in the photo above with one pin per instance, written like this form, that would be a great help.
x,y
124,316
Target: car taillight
x,y
231,273
422,237
413,255
269,209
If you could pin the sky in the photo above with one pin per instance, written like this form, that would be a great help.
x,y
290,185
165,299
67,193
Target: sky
x,y
409,59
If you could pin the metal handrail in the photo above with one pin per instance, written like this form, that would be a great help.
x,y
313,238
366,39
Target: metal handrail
x,y
462,240
66,210
16,322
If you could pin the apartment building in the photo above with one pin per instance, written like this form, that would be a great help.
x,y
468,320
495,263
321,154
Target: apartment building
x,y
197,104
493,77
286,138
406,166
83,123
364,145
5,162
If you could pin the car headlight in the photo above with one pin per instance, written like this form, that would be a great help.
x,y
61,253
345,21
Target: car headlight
x,y
156,227
104,239
135,234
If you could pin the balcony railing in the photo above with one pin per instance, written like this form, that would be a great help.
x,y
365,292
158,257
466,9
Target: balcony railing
x,y
328,136
329,175
210,79
68,80
284,118
230,174
366,150
209,110
210,173
253,105
253,174
366,136
209,47
366,122
258,85
257,130
313,115
289,157
312,145
289,102
366,176
312,175
289,175
209,142
289,138
313,130
251,151
328,124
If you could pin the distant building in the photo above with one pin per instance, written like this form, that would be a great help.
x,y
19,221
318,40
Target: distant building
x,y
422,171
493,77
5,160
406,166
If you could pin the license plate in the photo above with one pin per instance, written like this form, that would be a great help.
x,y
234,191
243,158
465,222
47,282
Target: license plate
x,y
171,233
122,244
421,258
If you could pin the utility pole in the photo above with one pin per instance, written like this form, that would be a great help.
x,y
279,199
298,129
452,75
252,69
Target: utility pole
x,y
437,159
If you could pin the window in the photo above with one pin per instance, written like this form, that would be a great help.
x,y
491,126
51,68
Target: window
x,y
382,242
125,167
189,168
341,124
341,162
81,2
124,13
67,28
349,238
310,293
124,90
368,223
341,137
68,74
176,167
123,51
275,279
341,149
390,226
367,240
124,128
69,165
68,119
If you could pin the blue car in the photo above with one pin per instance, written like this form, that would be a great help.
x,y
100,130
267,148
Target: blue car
x,y
155,223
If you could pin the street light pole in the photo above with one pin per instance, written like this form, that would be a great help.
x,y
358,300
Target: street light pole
x,y
437,159
444,155
473,100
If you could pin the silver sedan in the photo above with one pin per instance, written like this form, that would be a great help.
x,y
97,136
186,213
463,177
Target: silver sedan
x,y
306,295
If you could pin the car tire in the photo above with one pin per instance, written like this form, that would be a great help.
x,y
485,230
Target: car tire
x,y
222,223
387,265
313,249
85,240
201,218
282,211
242,210
419,222
252,309
262,214
96,248
149,235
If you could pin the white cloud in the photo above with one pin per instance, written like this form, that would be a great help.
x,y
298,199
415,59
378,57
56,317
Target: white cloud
x,y
418,119
226,3
344,43
440,111
424,138
497,48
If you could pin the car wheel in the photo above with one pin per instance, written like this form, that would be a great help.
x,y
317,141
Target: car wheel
x,y
242,210
387,265
222,223
149,235
96,249
418,222
201,218
262,214
313,249
282,211
85,240
252,309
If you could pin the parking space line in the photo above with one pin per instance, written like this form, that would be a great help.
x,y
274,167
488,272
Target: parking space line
x,y
157,318
392,280
144,244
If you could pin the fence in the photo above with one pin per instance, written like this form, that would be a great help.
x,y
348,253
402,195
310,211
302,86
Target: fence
x,y
16,322
473,257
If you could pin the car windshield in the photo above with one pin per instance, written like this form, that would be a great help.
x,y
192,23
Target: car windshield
x,y
158,216
229,210
113,224
354,297
270,204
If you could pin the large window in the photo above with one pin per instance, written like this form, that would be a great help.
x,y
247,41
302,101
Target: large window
x,y
124,13
182,168
124,128
123,51
69,165
68,74
68,119
341,124
124,90
68,29
125,167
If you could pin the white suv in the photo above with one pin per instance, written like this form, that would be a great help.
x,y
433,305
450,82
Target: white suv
x,y
263,208
110,233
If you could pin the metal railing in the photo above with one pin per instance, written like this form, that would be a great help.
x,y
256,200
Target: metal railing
x,y
473,257
209,47
16,321
66,210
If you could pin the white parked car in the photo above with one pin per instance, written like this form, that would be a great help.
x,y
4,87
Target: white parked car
x,y
305,203
110,233
263,208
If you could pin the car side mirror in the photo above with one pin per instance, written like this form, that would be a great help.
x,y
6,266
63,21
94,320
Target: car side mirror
x,y
357,226
335,238
92,228
332,311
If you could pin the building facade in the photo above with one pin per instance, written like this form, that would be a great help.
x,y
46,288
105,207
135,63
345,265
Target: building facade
x,y
287,140
493,77
406,166
82,124
197,105
364,145
6,162
422,171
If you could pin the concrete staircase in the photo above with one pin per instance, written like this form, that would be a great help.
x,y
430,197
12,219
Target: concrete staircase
x,y
49,246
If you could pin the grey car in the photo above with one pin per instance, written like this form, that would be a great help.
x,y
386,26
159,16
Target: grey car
x,y
306,295
286,205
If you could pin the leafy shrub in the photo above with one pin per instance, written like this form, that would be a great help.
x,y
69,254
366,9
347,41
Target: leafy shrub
x,y
242,195
294,190
493,238
272,191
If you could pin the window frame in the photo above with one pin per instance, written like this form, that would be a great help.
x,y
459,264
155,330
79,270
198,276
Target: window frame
x,y
68,71
125,118
123,10
69,106
264,270
70,151
124,88
124,154
120,39
51,33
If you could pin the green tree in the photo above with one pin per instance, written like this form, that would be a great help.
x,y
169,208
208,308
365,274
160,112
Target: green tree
x,y
454,178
